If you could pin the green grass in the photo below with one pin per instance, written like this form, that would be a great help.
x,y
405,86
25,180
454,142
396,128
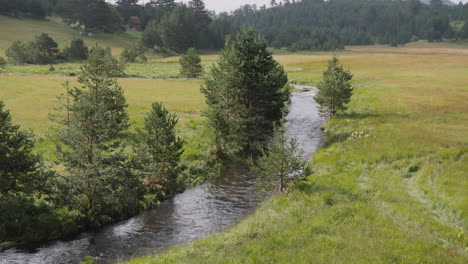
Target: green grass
x,y
31,98
154,69
12,29
395,194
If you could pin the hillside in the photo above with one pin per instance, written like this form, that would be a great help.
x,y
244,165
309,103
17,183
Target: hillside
x,y
12,29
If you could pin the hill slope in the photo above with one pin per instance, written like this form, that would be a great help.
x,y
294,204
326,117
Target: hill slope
x,y
12,29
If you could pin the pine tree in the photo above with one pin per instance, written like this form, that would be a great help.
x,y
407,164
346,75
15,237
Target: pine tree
x,y
191,64
166,5
177,30
280,164
335,90
77,50
90,149
202,19
246,92
20,169
159,151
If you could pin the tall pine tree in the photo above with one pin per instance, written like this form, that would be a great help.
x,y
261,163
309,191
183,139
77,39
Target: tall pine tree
x,y
246,92
91,149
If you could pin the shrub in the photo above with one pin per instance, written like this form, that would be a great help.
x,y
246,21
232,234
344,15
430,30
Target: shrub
x,y
191,64
103,56
42,50
77,50
17,52
133,54
3,62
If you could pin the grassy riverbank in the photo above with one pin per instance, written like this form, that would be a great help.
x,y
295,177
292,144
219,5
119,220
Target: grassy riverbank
x,y
390,186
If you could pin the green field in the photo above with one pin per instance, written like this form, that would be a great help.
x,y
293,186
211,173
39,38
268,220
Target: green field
x,y
12,29
395,194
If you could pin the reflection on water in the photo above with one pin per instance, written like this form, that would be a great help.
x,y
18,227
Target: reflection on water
x,y
196,213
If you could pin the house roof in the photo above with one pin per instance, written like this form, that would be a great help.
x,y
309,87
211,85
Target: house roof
x,y
135,20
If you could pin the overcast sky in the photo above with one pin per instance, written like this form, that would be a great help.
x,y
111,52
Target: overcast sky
x,y
229,5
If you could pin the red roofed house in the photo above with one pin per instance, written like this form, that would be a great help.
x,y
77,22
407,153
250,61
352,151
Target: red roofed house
x,y
135,23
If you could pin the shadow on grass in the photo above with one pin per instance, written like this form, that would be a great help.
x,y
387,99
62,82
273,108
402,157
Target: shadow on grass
x,y
357,116
330,194
354,115
335,138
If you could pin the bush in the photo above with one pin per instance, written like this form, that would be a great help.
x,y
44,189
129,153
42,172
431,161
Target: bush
x,y
414,38
17,52
191,64
42,50
103,56
3,62
77,50
133,54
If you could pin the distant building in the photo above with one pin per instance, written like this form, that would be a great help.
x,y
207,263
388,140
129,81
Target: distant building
x,y
134,23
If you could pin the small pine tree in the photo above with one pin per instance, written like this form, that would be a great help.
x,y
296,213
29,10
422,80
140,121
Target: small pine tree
x,y
20,169
191,64
159,151
335,90
280,164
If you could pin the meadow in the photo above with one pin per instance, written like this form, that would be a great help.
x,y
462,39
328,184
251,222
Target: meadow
x,y
389,186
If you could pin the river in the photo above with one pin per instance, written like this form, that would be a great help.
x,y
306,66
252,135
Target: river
x,y
193,214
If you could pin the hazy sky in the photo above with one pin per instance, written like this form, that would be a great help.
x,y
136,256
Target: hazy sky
x,y
224,5
229,5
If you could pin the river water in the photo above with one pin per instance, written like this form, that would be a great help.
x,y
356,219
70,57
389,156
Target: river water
x,y
193,214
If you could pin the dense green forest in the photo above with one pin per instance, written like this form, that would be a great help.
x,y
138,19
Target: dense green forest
x,y
297,25
328,25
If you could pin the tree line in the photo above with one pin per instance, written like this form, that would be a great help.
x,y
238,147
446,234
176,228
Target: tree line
x,y
329,25
44,50
170,27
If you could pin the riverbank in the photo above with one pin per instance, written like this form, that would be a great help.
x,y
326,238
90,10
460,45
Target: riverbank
x,y
389,186
193,214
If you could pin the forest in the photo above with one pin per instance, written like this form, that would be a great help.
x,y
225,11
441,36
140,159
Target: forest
x,y
295,25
